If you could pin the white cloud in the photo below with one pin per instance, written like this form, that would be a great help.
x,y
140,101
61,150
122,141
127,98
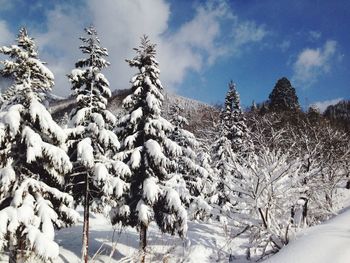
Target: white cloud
x,y
6,37
284,45
194,45
59,46
247,32
314,35
312,63
322,105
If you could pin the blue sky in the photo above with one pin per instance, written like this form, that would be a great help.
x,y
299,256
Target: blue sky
x,y
202,45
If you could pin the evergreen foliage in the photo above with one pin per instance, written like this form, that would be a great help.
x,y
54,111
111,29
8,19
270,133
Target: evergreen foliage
x,y
232,143
33,161
233,122
97,180
149,151
196,178
283,97
223,159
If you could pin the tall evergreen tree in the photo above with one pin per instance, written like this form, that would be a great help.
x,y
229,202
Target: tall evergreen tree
x,y
232,143
33,161
223,156
97,181
233,121
196,179
149,151
283,97
223,159
239,134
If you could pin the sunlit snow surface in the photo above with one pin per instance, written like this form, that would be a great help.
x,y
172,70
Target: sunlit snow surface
x,y
206,243
326,243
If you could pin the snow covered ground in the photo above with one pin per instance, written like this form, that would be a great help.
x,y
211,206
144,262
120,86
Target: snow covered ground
x,y
325,243
206,243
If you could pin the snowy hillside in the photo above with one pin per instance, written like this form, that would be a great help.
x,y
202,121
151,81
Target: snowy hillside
x,y
197,113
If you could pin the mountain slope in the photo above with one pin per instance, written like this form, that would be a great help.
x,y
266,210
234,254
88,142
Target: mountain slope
x,y
199,114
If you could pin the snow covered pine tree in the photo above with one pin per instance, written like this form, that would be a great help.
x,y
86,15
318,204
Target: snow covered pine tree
x,y
147,149
97,180
239,134
223,159
32,162
223,154
193,180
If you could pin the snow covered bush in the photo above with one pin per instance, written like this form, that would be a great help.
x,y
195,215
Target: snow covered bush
x,y
148,150
97,181
325,155
268,187
33,161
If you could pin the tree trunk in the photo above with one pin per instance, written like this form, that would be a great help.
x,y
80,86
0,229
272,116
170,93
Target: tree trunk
x,y
85,248
348,184
143,242
13,254
304,214
263,217
248,256
292,214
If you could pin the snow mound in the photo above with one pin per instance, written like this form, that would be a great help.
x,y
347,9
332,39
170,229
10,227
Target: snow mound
x,y
324,243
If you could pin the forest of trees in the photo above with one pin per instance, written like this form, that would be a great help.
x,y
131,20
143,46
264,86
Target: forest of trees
x,y
264,173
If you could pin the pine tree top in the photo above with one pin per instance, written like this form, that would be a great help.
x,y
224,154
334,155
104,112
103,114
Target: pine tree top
x,y
145,57
26,42
88,83
283,96
92,48
31,78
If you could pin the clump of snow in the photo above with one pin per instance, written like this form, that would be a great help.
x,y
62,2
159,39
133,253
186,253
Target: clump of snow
x,y
144,212
41,68
13,118
155,151
48,126
85,152
100,173
150,190
135,115
135,158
